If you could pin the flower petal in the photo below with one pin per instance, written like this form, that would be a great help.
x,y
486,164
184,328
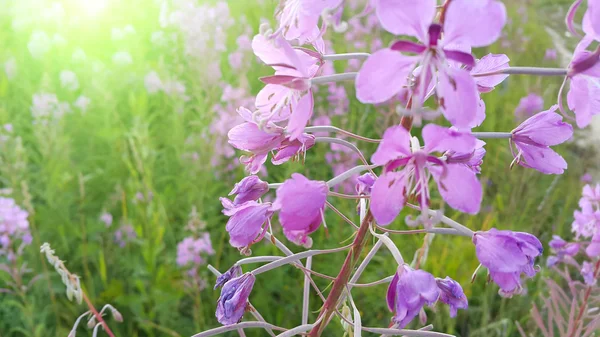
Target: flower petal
x,y
383,75
440,139
460,188
301,115
476,23
458,97
584,99
487,64
395,144
542,158
387,197
406,17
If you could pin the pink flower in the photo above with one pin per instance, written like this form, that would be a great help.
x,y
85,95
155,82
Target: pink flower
x,y
584,93
487,64
529,105
107,218
408,292
287,94
550,55
587,271
507,254
452,294
192,250
457,183
245,225
301,203
299,19
593,250
250,188
533,138
441,48
234,299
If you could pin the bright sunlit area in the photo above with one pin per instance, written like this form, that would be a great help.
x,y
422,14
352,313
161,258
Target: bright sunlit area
x,y
422,168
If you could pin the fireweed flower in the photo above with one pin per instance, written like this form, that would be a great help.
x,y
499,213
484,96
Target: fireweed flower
x,y
487,64
14,228
299,19
587,219
587,271
528,106
233,272
593,250
301,203
287,94
591,18
531,141
442,47
561,249
409,291
245,225
452,294
472,160
457,183
506,255
365,183
234,299
584,92
250,188
193,250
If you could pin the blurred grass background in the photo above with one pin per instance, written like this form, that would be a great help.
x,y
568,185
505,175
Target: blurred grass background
x,y
69,171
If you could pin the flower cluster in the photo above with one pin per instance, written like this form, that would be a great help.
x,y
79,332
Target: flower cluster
x,y
192,251
14,229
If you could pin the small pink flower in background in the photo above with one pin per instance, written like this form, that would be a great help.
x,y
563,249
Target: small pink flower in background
x,y
82,103
68,80
301,203
562,249
122,58
457,183
507,255
408,292
106,218
10,68
551,54
125,235
14,228
529,105
587,178
299,19
192,251
533,138
153,83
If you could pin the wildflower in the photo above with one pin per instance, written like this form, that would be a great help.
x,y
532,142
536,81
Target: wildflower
x,y
191,250
298,19
10,68
82,103
386,72
153,83
529,105
562,249
587,178
234,299
408,292
365,183
39,44
232,272
533,138
452,294
47,107
125,235
507,254
68,80
457,183
587,271
14,228
301,203
593,249
587,219
245,225
487,64
107,218
584,92
250,188
551,54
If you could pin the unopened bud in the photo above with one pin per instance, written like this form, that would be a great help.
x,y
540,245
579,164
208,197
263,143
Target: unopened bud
x,y
92,322
117,315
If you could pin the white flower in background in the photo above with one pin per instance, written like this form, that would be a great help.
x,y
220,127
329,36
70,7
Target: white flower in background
x,y
122,58
159,38
79,56
47,106
153,83
39,44
10,68
68,80
59,40
82,103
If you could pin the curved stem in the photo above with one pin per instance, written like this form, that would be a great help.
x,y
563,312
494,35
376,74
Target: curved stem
x,y
434,230
345,218
330,128
537,71
333,78
347,56
306,293
99,318
371,284
344,143
294,258
346,175
234,327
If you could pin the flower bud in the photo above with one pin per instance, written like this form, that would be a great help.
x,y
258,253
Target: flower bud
x,y
452,294
250,188
91,322
117,315
233,272
234,299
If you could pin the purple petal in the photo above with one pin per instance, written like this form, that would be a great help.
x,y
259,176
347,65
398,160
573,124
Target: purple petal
x,y
383,75
391,292
406,17
408,47
545,128
487,64
584,99
541,158
460,57
395,144
460,188
387,197
458,96
301,115
440,139
571,16
475,23
272,97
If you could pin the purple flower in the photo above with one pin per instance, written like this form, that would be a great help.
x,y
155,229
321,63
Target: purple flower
x,y
452,294
442,47
584,93
409,291
550,55
245,225
234,299
107,218
534,137
289,149
562,249
14,228
487,64
529,105
125,235
301,203
233,272
191,250
587,220
472,160
457,183
587,271
298,19
250,188
365,183
507,254
593,250
587,178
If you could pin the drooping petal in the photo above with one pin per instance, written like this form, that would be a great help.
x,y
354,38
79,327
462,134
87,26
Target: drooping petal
x,y
541,158
273,52
487,64
383,75
395,144
458,97
388,197
584,99
406,17
460,188
476,23
391,293
248,137
301,115
545,128
440,139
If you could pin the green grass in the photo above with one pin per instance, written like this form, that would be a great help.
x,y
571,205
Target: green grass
x,y
129,141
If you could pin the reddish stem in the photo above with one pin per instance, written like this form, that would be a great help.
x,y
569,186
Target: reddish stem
x,y
97,315
586,297
343,277
443,12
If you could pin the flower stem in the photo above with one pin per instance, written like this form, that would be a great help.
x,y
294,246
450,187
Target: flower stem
x,y
330,128
99,318
492,135
333,78
306,294
347,56
537,71
341,280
